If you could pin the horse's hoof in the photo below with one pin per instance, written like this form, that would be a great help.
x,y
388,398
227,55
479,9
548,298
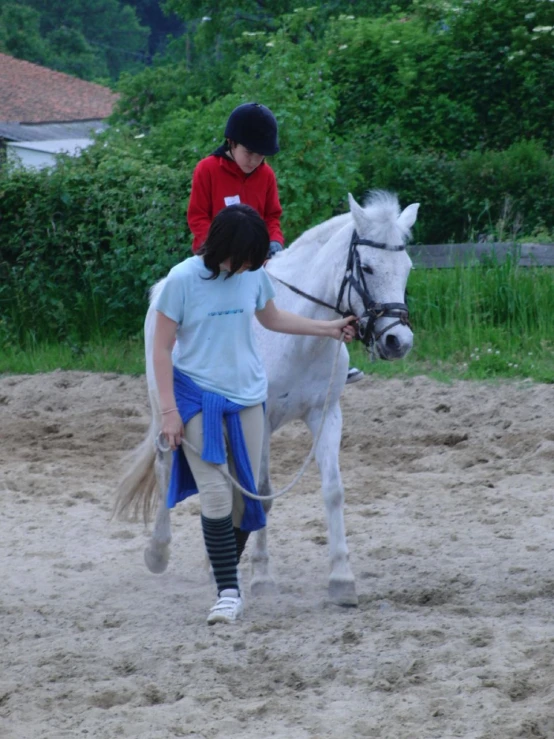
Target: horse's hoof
x,y
263,586
343,592
156,561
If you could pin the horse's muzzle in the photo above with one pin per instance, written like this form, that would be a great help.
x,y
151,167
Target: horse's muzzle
x,y
390,337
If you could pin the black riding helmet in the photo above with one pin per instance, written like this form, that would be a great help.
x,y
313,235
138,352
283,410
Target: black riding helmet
x,y
254,126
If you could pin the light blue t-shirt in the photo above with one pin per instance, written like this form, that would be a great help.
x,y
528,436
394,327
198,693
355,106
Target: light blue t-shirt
x,y
215,339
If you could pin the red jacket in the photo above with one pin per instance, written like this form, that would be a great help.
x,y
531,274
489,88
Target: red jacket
x,y
218,181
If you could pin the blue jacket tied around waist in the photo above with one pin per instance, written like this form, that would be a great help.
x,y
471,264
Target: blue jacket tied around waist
x,y
191,399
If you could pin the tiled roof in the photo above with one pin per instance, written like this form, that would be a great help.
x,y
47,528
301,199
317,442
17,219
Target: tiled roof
x,y
33,94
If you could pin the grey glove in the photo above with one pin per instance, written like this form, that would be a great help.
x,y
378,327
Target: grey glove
x,y
274,247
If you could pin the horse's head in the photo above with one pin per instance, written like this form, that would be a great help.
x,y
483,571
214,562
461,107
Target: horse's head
x,y
374,284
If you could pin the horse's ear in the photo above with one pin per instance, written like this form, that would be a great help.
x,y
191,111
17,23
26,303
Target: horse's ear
x,y
357,211
408,216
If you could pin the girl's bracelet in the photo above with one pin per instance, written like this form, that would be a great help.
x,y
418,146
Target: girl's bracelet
x,y
162,413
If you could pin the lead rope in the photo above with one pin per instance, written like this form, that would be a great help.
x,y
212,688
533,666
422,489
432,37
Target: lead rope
x,y
163,447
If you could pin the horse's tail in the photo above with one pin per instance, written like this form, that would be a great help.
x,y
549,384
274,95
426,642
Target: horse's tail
x,y
137,492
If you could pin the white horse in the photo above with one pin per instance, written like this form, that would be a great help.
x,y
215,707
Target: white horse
x,y
355,263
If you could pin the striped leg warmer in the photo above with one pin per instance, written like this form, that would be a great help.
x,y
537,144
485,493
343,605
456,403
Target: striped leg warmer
x,y
241,539
221,546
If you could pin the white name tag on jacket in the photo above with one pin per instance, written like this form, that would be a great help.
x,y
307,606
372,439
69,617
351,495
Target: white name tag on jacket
x,y
232,200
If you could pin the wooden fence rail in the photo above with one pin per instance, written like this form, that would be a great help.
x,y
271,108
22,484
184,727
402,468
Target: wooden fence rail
x,y
452,255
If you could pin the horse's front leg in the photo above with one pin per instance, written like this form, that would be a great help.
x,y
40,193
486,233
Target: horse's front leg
x,y
156,554
342,587
262,582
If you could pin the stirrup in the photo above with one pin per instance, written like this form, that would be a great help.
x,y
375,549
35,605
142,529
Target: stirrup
x,y
227,608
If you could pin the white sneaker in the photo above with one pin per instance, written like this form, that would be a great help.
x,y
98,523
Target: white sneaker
x,y
227,608
354,374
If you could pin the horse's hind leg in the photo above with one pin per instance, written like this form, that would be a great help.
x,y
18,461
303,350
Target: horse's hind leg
x,y
156,554
262,583
342,587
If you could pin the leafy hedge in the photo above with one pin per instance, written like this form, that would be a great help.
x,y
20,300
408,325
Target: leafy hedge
x,y
505,194
448,77
81,244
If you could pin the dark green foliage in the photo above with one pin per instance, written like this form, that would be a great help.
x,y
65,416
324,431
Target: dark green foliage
x,y
80,245
162,25
150,96
506,194
92,40
20,33
474,75
315,170
215,31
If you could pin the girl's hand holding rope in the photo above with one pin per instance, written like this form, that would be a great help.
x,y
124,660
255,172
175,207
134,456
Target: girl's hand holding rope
x,y
343,329
173,430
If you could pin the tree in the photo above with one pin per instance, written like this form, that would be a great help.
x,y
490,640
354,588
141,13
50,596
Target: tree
x,y
90,39
70,52
20,33
163,26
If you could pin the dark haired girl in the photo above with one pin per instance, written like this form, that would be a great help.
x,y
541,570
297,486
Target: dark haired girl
x,y
212,384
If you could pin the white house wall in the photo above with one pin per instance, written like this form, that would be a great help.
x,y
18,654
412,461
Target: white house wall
x,y
30,159
39,154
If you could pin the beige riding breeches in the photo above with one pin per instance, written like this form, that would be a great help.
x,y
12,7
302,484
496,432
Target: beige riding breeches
x,y
217,499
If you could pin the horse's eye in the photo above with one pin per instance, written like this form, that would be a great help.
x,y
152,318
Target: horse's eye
x,y
367,269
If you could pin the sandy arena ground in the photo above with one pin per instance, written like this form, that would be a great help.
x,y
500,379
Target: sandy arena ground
x,y
449,515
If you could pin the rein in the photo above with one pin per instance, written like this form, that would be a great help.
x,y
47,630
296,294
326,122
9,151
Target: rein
x,y
354,279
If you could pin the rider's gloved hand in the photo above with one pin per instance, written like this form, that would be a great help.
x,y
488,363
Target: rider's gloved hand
x,y
274,247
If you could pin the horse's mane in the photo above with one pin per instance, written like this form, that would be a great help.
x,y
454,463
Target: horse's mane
x,y
382,209
382,205
155,290
320,234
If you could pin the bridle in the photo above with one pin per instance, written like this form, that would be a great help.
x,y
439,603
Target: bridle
x,y
354,279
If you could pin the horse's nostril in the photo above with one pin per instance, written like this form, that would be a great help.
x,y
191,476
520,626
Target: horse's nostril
x,y
392,342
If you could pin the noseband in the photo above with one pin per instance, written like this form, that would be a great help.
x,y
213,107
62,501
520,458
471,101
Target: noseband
x,y
354,279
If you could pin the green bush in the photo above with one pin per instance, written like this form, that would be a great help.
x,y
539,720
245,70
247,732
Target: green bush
x,y
508,193
448,77
504,194
81,244
149,97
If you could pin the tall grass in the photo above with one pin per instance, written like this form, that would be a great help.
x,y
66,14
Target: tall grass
x,y
493,320
105,355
